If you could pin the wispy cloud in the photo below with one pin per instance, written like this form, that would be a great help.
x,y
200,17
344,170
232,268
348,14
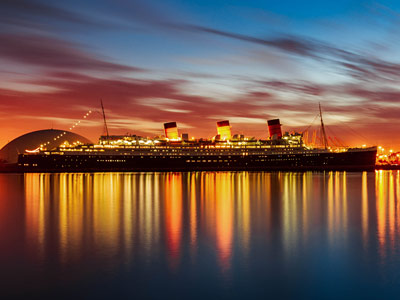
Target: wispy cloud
x,y
48,52
38,14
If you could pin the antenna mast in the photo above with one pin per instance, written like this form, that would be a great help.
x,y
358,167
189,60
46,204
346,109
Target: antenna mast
x,y
105,122
325,140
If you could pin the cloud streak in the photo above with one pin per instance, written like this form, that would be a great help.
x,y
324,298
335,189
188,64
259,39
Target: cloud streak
x,y
37,14
360,67
135,100
48,52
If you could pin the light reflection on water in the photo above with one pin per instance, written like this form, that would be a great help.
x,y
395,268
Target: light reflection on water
x,y
209,233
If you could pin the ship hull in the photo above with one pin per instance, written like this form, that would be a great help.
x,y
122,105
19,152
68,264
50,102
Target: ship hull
x,y
345,161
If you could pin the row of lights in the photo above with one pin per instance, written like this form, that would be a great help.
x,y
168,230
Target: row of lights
x,y
56,138
77,123
64,133
391,158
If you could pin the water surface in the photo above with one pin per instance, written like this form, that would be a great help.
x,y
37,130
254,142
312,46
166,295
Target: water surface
x,y
222,235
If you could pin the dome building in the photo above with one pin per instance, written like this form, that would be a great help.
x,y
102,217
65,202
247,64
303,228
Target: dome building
x,y
51,138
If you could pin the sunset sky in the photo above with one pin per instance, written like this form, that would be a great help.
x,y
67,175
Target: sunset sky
x,y
198,62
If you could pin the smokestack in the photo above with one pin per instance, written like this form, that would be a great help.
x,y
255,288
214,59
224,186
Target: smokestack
x,y
274,128
224,130
171,131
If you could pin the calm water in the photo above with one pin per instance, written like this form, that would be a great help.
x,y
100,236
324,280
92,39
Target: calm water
x,y
195,235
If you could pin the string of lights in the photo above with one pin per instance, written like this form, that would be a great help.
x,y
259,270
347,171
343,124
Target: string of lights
x,y
64,133
77,123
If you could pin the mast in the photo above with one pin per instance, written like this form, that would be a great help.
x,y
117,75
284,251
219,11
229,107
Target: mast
x,y
104,118
324,139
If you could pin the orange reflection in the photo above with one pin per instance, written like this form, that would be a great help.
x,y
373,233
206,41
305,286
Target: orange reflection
x,y
331,215
128,214
148,209
364,207
265,194
306,193
173,215
224,217
36,208
71,215
107,211
193,212
122,214
387,210
89,211
290,211
344,218
243,210
337,206
391,210
209,184
380,188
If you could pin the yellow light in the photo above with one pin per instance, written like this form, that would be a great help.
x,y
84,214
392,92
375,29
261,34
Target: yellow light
x,y
380,147
224,132
172,133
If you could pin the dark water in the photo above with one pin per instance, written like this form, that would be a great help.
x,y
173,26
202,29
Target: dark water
x,y
226,235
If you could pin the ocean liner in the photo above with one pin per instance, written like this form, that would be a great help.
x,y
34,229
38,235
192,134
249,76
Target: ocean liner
x,y
174,152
